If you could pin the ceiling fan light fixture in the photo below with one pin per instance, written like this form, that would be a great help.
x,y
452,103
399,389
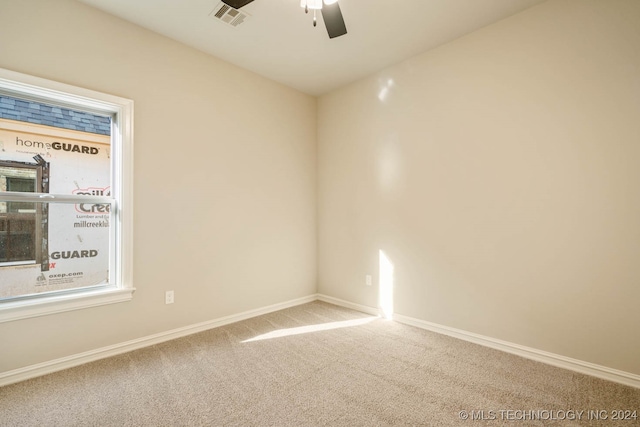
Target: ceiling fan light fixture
x,y
311,4
331,15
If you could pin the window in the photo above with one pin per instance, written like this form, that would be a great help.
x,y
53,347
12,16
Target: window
x,y
65,197
20,222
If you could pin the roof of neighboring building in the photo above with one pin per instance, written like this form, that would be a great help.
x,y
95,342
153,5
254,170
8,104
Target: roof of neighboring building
x,y
42,114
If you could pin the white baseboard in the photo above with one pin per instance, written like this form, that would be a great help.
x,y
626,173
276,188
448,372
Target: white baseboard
x,y
353,306
576,365
553,359
21,374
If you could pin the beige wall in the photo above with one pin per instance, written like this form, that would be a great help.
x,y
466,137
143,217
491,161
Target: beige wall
x,y
499,173
224,180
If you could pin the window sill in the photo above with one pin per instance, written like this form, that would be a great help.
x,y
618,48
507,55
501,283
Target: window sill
x,y
25,309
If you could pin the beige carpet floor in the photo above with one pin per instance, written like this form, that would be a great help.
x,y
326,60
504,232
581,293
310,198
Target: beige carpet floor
x,y
273,370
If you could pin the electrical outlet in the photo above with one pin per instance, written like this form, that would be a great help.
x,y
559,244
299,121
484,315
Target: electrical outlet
x,y
168,297
368,280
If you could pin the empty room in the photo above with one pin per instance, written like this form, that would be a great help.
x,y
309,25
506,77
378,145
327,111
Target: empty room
x,y
319,213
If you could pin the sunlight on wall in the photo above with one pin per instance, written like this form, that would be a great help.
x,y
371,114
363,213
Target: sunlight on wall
x,y
311,328
385,89
385,295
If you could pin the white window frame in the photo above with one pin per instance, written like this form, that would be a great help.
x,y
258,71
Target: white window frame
x,y
120,286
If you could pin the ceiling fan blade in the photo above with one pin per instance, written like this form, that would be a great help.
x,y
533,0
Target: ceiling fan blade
x,y
236,4
333,20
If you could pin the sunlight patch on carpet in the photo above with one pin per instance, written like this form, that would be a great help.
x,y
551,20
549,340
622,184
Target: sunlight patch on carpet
x,y
311,328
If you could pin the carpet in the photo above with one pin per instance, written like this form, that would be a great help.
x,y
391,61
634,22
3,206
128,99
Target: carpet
x,y
317,365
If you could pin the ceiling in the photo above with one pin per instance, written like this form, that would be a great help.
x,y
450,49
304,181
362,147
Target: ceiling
x,y
278,40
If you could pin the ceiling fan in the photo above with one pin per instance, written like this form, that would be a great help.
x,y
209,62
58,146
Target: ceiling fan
x,y
331,13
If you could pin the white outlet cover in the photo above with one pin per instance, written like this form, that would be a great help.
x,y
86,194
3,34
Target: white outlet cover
x,y
168,297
